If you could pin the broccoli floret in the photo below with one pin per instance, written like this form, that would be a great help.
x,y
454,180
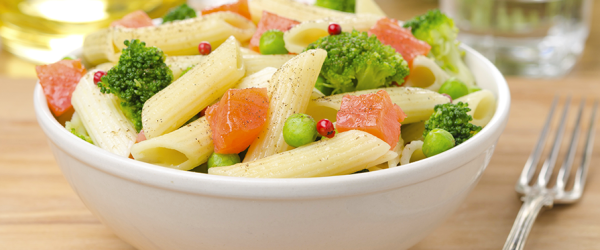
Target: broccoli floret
x,y
361,171
341,5
438,30
140,73
454,119
180,12
75,126
357,61
186,70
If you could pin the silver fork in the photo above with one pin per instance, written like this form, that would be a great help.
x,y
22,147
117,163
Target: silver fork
x,y
538,195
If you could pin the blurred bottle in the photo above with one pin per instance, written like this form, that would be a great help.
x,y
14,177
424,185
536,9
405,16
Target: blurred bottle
x,y
537,38
44,31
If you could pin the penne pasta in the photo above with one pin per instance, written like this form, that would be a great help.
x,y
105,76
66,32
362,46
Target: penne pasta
x,y
416,103
182,37
255,63
292,10
425,73
300,36
412,152
206,82
388,156
398,150
102,117
104,66
184,148
368,7
289,90
246,51
178,64
482,104
98,47
381,162
174,38
259,79
262,78
377,168
346,153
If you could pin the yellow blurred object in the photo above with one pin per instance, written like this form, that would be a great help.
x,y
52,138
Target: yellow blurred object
x,y
44,31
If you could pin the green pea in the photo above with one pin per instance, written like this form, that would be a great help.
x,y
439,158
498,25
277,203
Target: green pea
x,y
68,58
299,129
321,86
454,88
220,160
437,141
271,43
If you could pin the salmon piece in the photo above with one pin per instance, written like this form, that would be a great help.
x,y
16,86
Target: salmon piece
x,y
389,32
371,113
59,80
237,119
270,21
241,8
136,19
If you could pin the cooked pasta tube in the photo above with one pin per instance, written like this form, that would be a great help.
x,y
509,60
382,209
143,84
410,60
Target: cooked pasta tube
x,y
255,63
425,73
412,152
259,79
381,162
368,7
206,82
105,66
387,157
300,36
377,168
178,64
184,148
398,150
482,104
246,51
262,78
289,90
174,38
182,37
183,61
102,117
291,9
345,153
98,47
413,131
416,103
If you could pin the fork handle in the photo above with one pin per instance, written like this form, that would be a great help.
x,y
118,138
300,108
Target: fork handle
x,y
529,211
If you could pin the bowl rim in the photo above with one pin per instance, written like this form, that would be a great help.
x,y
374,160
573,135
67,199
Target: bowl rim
x,y
278,188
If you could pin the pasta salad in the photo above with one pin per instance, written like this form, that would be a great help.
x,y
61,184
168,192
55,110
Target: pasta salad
x,y
271,89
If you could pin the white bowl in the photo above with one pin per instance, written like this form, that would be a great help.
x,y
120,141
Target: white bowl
x,y
153,207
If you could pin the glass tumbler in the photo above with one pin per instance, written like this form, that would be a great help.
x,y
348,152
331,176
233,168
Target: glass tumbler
x,y
44,31
536,38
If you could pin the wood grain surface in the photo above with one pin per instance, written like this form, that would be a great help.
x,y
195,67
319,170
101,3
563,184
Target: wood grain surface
x,y
38,209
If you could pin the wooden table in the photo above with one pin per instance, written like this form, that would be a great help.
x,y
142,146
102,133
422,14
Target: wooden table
x,y
38,209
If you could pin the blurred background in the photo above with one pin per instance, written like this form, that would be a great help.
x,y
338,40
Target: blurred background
x,y
534,38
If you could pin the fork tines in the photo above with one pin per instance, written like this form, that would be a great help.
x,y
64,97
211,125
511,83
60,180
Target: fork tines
x,y
543,178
